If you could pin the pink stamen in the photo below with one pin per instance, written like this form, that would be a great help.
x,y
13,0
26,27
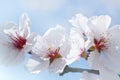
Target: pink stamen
x,y
100,44
17,41
53,54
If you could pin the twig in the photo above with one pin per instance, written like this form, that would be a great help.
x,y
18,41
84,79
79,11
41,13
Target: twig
x,y
68,69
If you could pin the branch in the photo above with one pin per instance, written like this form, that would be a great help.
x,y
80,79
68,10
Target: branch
x,y
68,69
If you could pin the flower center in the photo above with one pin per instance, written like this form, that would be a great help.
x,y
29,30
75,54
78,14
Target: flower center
x,y
17,40
53,54
100,44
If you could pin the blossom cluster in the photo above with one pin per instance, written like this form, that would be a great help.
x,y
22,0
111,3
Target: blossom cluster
x,y
90,38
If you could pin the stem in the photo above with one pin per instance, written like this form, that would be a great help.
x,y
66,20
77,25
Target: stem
x,y
68,69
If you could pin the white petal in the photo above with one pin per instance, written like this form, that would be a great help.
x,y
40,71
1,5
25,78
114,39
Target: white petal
x,y
41,47
75,34
32,38
114,33
77,47
79,21
54,36
25,25
16,58
111,61
107,74
73,56
36,65
99,24
57,66
65,47
70,59
94,60
7,25
4,29
77,42
88,76
10,56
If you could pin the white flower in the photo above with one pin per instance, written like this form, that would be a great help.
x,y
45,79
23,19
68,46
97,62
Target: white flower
x,y
15,41
79,35
50,52
100,39
105,40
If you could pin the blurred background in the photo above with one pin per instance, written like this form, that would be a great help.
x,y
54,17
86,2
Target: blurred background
x,y
45,14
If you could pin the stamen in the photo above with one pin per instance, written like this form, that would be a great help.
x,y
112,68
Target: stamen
x,y
17,40
100,44
53,54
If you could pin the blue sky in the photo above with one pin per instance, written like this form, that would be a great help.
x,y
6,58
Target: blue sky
x,y
48,13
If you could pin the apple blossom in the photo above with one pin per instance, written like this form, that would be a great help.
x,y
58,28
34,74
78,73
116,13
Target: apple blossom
x,y
79,34
15,41
50,52
105,40
99,38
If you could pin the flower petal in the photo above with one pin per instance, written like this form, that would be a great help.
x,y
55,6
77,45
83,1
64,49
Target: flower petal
x,y
79,21
54,36
36,65
40,48
30,43
80,24
111,61
65,47
24,25
107,74
114,32
99,24
94,60
88,76
77,47
10,56
57,66
4,30
70,59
